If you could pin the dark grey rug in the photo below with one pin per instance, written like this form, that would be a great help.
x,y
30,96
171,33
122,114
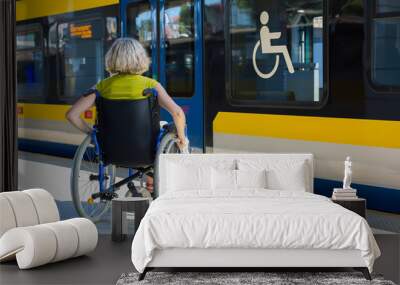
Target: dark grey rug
x,y
243,278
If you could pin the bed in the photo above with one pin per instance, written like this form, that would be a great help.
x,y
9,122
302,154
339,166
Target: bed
x,y
247,210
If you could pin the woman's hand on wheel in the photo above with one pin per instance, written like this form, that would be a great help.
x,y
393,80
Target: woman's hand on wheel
x,y
182,142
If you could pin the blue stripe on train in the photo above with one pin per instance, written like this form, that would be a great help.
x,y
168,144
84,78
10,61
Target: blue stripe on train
x,y
378,198
49,148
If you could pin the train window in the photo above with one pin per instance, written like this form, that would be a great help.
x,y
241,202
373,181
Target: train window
x,y
81,51
179,47
275,51
385,45
112,29
140,25
30,63
387,6
213,22
29,39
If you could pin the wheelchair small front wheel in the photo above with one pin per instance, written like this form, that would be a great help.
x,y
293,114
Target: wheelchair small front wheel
x,y
85,182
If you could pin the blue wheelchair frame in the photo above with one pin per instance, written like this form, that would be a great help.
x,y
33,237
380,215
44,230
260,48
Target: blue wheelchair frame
x,y
102,167
131,174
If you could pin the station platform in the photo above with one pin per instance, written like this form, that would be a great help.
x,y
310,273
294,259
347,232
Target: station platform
x,y
34,170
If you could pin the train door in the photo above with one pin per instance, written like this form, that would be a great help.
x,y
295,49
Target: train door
x,y
171,32
81,55
138,20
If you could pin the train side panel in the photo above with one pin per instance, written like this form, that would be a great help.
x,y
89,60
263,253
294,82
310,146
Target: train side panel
x,y
343,98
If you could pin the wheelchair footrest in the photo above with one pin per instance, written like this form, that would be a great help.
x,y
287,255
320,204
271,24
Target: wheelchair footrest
x,y
106,195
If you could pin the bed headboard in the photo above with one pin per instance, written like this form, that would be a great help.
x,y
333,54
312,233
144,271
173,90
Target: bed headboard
x,y
165,160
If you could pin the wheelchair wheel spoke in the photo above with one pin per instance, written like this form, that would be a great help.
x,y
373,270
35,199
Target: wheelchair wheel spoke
x,y
86,181
93,211
87,192
84,192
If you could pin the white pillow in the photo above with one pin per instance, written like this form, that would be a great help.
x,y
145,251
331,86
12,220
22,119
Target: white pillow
x,y
282,174
251,178
222,164
288,177
223,179
183,177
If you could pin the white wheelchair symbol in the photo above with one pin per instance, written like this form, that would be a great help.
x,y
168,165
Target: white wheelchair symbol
x,y
267,48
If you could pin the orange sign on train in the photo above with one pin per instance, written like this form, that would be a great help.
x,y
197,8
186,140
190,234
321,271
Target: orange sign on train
x,y
82,31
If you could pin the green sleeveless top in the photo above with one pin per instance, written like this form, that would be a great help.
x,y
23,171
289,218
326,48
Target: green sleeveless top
x,y
125,86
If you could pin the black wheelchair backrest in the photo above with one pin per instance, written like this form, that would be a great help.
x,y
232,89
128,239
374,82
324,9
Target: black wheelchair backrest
x,y
128,131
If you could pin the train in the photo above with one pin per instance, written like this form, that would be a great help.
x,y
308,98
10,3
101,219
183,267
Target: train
x,y
313,76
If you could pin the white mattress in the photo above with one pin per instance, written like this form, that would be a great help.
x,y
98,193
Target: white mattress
x,y
251,219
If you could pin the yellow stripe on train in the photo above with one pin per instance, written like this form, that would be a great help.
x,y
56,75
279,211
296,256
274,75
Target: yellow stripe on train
x,y
361,132
29,9
50,112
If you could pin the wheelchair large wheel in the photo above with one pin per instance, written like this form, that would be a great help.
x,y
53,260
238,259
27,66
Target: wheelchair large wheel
x,y
85,182
168,144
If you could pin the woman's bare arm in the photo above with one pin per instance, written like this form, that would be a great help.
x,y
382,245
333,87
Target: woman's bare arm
x,y
176,112
74,113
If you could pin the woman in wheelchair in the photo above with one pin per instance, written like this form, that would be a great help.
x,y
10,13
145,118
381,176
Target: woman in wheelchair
x,y
126,61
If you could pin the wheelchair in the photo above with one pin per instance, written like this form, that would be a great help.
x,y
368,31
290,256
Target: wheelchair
x,y
128,135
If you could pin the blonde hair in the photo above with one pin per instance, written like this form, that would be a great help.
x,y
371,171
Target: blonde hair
x,y
127,55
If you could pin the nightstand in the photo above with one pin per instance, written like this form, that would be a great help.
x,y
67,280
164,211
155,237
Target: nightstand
x,y
357,205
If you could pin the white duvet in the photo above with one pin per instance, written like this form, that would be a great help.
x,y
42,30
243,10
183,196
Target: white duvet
x,y
250,219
